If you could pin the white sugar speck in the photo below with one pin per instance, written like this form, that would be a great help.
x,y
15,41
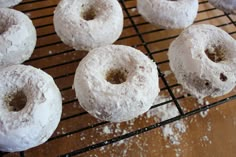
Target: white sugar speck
x,y
167,73
133,9
209,126
204,113
106,130
28,14
206,139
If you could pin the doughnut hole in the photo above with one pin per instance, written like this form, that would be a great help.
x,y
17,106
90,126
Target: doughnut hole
x,y
215,53
16,101
2,30
88,13
116,76
5,24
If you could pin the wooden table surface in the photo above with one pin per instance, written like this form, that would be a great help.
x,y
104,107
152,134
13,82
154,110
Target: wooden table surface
x,y
79,134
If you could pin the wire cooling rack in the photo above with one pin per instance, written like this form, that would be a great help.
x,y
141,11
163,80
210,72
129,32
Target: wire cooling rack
x,y
60,61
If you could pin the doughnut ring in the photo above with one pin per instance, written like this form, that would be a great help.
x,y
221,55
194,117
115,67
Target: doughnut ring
x,y
169,14
87,24
118,88
203,59
30,107
17,37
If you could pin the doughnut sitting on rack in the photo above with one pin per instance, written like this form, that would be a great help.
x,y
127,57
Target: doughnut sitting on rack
x,y
203,59
169,14
228,6
30,107
87,24
17,37
116,83
9,3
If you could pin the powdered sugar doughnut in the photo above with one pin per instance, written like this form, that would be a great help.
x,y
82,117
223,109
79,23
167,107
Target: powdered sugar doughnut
x,y
116,83
203,59
9,3
169,13
228,6
30,107
17,37
87,24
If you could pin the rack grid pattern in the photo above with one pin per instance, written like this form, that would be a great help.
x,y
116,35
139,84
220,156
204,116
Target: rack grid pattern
x,y
60,61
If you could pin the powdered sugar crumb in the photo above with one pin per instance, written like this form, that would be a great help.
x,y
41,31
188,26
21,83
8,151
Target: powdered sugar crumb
x,y
207,103
177,152
167,73
106,130
133,9
209,126
172,131
28,14
203,114
205,139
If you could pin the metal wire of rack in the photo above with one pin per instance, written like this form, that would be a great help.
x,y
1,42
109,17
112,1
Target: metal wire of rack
x,y
60,61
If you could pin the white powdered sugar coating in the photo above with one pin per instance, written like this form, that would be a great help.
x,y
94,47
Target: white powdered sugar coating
x,y
9,3
169,14
116,102
17,37
35,123
228,6
103,26
194,70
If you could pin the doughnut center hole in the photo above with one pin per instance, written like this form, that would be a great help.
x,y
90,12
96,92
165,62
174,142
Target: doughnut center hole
x,y
2,30
3,27
88,13
215,53
6,23
16,101
116,76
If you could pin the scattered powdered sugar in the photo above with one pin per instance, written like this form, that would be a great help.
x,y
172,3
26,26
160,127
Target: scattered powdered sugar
x,y
209,126
172,131
28,14
177,152
107,130
164,112
203,114
205,139
75,105
167,73
82,138
133,9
